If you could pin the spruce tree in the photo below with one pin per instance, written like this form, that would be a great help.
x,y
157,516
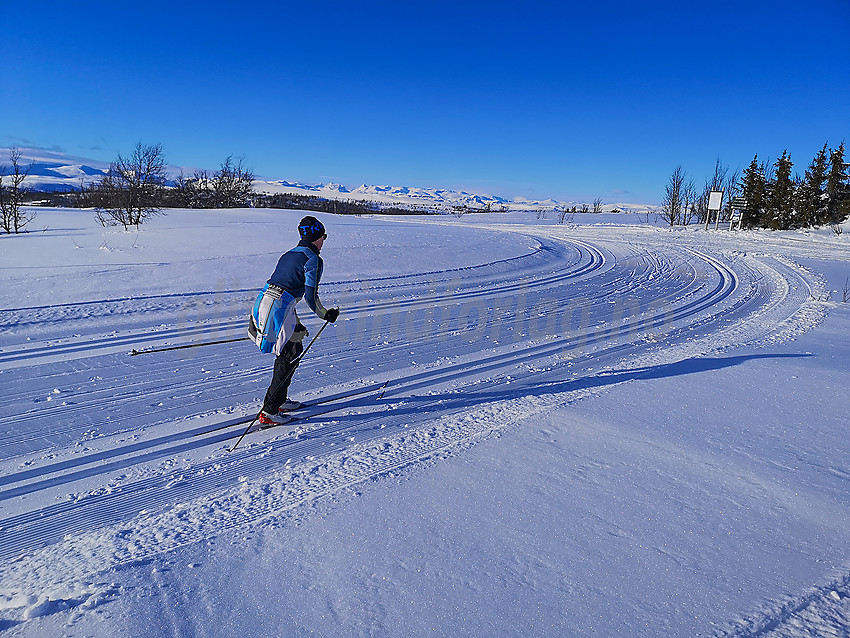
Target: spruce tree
x,y
837,195
811,205
754,190
779,214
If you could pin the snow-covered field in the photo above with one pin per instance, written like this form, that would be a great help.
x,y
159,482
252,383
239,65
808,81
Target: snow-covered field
x,y
596,429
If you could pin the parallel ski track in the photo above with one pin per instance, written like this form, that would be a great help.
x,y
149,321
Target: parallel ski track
x,y
579,264
588,260
128,384
385,284
695,300
151,388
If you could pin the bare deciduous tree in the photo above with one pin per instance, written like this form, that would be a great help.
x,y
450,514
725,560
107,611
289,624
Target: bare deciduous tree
x,y
597,205
195,191
690,201
648,216
732,189
13,217
674,195
717,182
130,192
566,215
232,184
459,210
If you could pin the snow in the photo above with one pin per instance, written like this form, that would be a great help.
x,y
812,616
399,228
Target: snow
x,y
601,428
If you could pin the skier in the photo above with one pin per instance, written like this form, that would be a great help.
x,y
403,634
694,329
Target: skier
x,y
274,325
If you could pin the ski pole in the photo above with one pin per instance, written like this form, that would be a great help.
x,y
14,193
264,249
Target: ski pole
x,y
289,376
191,345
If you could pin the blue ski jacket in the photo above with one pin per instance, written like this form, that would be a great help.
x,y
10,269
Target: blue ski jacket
x,y
298,273
273,317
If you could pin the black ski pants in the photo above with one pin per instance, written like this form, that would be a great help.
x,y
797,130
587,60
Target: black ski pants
x,y
284,368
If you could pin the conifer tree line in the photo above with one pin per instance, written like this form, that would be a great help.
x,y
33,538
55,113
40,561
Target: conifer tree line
x,y
776,197
776,200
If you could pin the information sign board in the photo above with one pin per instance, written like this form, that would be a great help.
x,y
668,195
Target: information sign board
x,y
715,200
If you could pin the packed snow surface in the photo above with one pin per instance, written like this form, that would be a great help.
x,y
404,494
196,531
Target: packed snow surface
x,y
590,429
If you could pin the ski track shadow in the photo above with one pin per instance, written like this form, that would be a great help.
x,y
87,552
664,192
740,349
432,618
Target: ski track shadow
x,y
151,450
609,378
435,403
414,405
108,460
8,624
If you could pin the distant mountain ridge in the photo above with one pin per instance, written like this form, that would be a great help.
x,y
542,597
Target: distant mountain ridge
x,y
407,195
56,171
53,171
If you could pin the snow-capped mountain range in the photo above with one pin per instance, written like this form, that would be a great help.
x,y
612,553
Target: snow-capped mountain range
x,y
54,171
439,198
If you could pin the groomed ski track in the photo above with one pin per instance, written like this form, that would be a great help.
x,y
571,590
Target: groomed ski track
x,y
120,452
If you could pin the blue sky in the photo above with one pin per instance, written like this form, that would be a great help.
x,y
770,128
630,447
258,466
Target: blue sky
x,y
566,100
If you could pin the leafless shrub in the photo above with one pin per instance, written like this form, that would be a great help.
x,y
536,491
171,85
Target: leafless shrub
x,y
130,192
674,196
566,215
648,216
597,205
690,200
13,217
195,191
233,184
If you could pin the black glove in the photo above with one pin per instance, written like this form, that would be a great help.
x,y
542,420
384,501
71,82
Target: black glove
x,y
299,333
331,315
